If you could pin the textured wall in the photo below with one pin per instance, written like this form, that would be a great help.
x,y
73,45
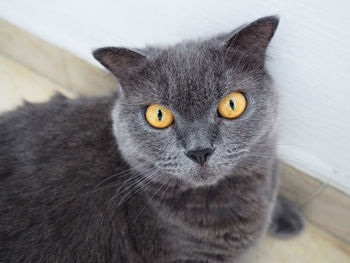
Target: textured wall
x,y
310,57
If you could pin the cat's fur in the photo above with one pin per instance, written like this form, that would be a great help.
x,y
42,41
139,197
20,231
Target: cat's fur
x,y
89,180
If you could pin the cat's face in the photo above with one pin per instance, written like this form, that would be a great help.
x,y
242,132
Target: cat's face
x,y
190,80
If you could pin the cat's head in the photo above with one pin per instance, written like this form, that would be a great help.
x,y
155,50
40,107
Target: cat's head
x,y
189,80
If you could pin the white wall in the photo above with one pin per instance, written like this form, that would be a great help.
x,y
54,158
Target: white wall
x,y
310,58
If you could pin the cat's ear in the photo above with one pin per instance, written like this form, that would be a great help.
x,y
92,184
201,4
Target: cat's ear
x,y
121,62
254,38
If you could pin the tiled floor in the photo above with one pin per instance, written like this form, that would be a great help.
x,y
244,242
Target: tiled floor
x,y
18,83
312,246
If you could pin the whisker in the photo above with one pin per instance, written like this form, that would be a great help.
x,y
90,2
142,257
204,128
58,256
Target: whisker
x,y
129,189
138,188
149,201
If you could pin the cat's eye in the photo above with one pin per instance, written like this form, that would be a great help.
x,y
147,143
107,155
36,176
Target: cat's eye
x,y
232,106
158,116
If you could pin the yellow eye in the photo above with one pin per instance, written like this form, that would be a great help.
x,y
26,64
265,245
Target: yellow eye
x,y
158,116
232,105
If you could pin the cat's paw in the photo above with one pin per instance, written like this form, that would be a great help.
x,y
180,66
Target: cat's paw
x,y
287,220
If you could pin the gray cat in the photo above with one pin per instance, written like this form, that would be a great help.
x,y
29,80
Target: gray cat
x,y
179,166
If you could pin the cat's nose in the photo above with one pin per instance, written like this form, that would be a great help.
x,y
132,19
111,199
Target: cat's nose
x,y
200,155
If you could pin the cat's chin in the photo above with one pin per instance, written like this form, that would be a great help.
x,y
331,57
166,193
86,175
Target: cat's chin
x,y
203,178
196,177
204,182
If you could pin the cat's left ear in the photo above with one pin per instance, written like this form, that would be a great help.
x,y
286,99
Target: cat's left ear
x,y
254,38
121,62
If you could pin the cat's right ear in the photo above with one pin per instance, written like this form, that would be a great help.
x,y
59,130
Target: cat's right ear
x,y
254,38
121,62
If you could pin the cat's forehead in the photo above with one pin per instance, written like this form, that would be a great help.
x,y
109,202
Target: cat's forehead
x,y
192,77
188,74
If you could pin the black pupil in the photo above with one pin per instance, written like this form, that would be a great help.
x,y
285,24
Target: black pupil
x,y
160,115
232,105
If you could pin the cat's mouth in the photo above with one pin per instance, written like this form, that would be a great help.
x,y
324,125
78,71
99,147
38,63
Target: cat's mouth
x,y
203,176
189,173
205,180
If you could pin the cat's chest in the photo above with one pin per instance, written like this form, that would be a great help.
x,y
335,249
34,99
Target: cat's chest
x,y
213,231
210,225
219,243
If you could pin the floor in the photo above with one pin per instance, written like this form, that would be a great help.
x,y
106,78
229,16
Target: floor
x,y
18,83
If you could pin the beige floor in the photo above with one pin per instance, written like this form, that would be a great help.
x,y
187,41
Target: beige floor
x,y
18,83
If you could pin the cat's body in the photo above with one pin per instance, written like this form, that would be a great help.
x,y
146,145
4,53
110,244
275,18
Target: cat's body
x,y
76,187
65,211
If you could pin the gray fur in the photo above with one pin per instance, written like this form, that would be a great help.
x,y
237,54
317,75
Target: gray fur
x,y
89,180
